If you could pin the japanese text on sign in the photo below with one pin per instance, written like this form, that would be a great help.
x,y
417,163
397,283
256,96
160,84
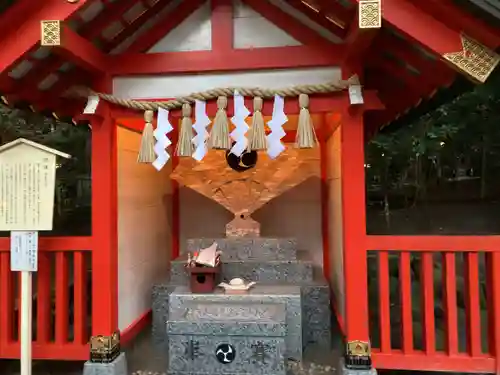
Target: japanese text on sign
x,y
24,251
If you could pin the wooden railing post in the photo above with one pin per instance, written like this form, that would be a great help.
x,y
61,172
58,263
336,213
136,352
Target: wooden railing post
x,y
493,298
104,223
354,226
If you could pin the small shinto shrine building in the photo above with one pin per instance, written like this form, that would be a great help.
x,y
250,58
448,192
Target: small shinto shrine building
x,y
365,65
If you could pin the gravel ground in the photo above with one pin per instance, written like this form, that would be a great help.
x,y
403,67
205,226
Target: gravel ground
x,y
142,359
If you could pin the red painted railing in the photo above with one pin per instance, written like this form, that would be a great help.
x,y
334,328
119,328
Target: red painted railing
x,y
61,301
435,302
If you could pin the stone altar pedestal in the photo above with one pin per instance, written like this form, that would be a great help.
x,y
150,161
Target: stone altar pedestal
x,y
283,274
287,296
227,338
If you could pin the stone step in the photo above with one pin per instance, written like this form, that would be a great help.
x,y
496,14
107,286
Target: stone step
x,y
228,319
290,296
265,271
248,248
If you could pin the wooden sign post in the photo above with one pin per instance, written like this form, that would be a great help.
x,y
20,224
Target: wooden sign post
x,y
27,189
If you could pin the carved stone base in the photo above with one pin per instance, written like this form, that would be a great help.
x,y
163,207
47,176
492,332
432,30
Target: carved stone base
x,y
344,370
116,367
243,226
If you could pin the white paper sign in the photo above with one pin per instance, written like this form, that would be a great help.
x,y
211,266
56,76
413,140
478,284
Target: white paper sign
x,y
27,185
24,251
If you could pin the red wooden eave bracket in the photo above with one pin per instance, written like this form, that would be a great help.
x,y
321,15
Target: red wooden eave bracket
x,y
25,37
460,20
421,26
358,42
81,52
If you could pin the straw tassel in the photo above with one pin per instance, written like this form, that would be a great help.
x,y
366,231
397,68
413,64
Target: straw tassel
x,y
257,133
185,143
146,151
306,135
219,135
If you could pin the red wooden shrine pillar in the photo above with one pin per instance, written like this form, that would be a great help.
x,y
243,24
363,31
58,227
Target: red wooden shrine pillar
x,y
104,220
354,225
493,296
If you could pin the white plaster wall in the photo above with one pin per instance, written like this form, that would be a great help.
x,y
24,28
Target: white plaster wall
x,y
193,34
144,228
251,30
170,86
296,213
336,250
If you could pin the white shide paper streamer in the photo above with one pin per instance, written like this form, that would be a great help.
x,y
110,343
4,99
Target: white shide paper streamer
x,y
200,126
274,144
356,94
240,126
162,141
92,103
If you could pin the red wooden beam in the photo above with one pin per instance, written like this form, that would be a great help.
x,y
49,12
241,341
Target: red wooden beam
x,y
287,23
418,82
26,35
222,25
436,70
358,42
112,13
441,361
17,13
164,26
337,10
68,79
234,60
29,82
460,20
132,28
319,16
421,26
395,94
81,52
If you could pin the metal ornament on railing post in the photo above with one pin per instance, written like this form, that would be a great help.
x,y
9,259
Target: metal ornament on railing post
x,y
163,127
358,355
105,349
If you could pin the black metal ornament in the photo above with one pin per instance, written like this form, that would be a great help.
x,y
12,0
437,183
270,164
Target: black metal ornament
x,y
225,353
246,161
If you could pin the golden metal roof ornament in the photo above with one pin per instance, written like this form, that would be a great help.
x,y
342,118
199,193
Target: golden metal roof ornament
x,y
50,33
370,14
475,59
